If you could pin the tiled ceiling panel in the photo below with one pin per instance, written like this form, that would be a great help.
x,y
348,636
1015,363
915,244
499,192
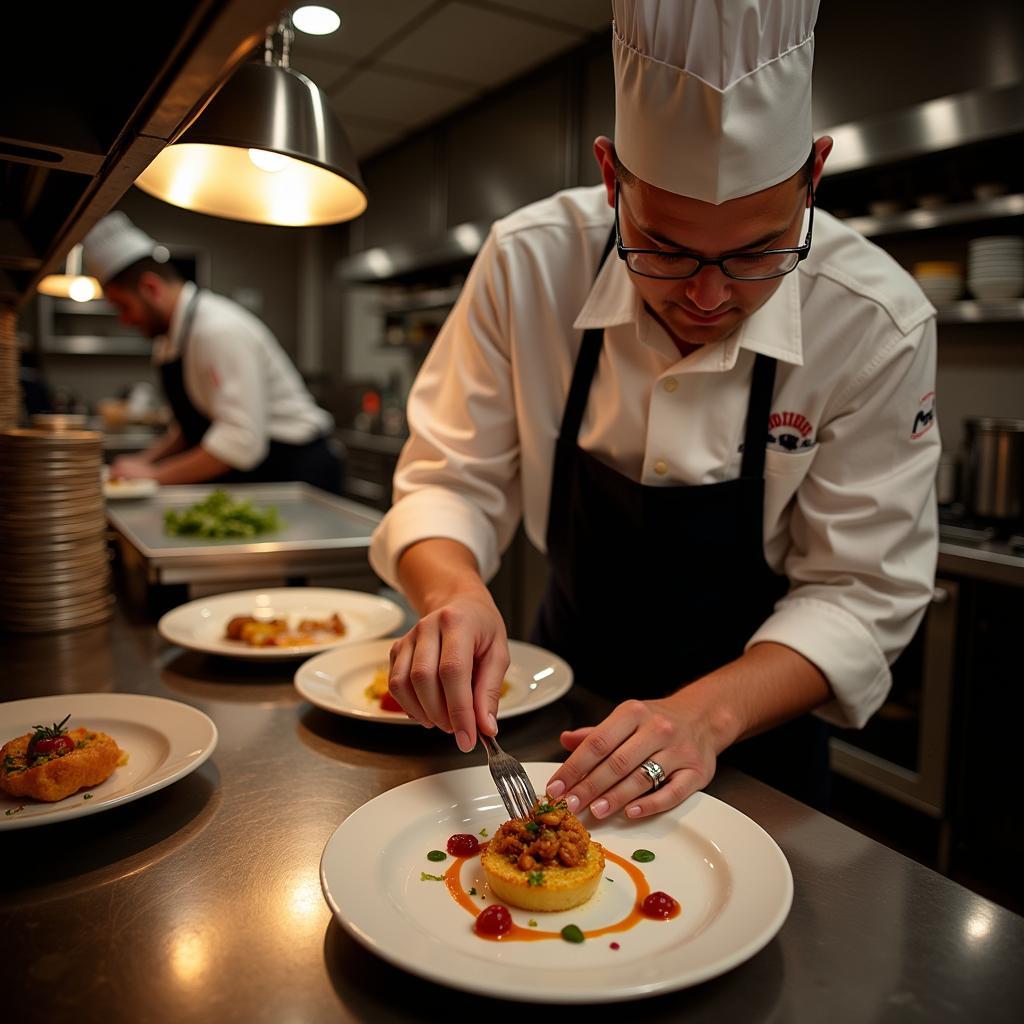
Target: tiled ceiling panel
x,y
402,100
478,45
365,25
590,15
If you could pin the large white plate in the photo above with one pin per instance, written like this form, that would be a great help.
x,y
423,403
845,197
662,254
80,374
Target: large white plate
x,y
117,490
732,880
337,681
200,625
164,740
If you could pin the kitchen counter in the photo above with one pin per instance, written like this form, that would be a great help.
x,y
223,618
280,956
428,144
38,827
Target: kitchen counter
x,y
202,902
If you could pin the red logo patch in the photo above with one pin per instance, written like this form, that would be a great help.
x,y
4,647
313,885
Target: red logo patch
x,y
790,430
924,418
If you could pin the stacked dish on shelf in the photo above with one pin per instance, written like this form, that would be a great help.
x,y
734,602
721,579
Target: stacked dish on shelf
x,y
995,268
941,280
52,531
10,388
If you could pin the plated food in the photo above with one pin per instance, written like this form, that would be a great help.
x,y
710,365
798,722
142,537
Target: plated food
x,y
378,694
262,632
119,488
52,762
546,862
219,516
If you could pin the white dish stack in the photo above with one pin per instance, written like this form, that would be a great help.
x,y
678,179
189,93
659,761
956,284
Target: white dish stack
x,y
995,268
942,281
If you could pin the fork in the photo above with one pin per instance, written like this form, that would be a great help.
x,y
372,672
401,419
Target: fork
x,y
514,786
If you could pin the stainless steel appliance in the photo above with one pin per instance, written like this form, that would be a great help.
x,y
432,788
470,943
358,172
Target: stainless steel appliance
x,y
994,478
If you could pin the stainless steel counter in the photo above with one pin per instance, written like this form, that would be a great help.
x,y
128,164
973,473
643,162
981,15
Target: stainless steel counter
x,y
201,903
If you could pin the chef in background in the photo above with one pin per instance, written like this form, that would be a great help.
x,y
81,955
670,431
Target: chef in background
x,y
242,413
712,407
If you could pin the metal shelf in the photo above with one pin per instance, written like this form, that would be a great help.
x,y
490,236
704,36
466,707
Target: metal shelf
x,y
972,312
941,216
96,345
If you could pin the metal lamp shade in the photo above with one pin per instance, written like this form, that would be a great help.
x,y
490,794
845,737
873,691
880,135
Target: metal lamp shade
x,y
313,176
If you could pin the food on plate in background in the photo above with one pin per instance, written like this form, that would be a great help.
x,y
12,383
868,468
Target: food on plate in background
x,y
942,281
545,862
219,516
378,692
261,632
53,762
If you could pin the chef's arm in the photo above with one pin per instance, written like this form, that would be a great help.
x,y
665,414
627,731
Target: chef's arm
x,y
169,443
190,467
434,571
768,685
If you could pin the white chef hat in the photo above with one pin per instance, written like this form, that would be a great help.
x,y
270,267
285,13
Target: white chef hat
x,y
713,97
113,245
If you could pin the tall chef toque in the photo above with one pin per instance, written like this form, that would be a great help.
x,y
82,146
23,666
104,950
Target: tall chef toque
x,y
713,97
113,245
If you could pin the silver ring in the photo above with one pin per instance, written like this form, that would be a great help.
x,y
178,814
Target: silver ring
x,y
654,772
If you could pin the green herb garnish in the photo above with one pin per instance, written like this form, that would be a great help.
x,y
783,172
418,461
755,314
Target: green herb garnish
x,y
88,796
472,890
532,826
572,934
607,879
532,923
644,856
483,832
14,810
424,877
12,767
437,855
544,809
535,878
219,516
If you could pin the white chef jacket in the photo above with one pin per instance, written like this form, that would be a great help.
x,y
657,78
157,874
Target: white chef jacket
x,y
238,376
850,515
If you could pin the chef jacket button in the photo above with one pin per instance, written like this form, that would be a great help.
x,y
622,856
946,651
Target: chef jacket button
x,y
670,385
660,468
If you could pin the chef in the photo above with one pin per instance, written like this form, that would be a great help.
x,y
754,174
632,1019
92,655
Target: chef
x,y
712,407
241,411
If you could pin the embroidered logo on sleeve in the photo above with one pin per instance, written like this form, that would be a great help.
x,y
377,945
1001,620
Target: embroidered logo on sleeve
x,y
790,431
924,418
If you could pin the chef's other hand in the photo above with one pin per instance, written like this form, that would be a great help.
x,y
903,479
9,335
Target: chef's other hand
x,y
448,669
604,770
131,467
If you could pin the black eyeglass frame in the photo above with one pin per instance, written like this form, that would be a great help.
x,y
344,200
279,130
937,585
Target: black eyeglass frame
x,y
801,251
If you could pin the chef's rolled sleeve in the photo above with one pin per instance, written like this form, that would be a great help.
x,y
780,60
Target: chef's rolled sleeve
x,y
861,562
237,383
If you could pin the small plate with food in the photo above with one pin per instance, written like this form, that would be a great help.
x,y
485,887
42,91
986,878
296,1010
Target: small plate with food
x,y
289,622
554,908
353,681
70,755
121,489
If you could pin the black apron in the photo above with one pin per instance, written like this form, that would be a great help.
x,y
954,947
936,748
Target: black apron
x,y
313,463
652,587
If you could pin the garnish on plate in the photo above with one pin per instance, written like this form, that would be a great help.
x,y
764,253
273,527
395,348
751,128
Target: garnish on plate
x,y
437,855
643,856
426,877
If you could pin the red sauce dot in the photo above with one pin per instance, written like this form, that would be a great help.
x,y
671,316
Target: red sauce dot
x,y
494,921
659,905
463,845
614,945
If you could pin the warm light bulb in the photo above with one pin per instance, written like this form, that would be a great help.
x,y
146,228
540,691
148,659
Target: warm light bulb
x,y
82,289
267,161
316,21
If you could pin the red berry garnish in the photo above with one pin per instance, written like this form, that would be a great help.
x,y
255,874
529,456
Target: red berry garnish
x,y
462,844
659,905
494,921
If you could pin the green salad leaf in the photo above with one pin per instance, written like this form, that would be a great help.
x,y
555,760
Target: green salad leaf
x,y
219,517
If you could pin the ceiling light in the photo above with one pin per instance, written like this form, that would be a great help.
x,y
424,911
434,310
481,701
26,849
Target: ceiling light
x,y
316,21
72,283
267,149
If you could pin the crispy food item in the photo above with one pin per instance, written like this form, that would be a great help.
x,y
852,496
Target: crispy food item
x,y
545,862
53,763
378,688
276,633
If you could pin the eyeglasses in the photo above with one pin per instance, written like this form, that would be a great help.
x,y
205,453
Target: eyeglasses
x,y
671,264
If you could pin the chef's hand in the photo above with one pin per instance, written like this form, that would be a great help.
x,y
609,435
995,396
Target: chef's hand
x,y
131,467
604,773
448,669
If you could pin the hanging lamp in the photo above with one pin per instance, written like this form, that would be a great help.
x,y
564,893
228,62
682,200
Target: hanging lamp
x,y
72,284
267,149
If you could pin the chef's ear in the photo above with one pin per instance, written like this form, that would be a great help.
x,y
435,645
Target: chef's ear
x,y
822,148
151,286
604,153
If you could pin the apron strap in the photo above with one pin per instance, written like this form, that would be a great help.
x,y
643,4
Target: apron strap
x,y
186,322
758,410
586,363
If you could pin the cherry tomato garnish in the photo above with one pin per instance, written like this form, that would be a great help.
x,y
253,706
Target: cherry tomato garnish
x,y
463,845
495,921
659,905
58,745
388,703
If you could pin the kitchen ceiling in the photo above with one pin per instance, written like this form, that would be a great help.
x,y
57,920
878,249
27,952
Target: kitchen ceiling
x,y
397,65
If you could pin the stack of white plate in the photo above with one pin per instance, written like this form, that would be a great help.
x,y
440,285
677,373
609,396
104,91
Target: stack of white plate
x,y
10,388
941,280
53,549
995,269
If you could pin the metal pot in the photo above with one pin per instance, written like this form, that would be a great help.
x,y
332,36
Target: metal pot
x,y
994,479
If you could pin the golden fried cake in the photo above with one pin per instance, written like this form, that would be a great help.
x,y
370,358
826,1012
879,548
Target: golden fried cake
x,y
545,862
53,763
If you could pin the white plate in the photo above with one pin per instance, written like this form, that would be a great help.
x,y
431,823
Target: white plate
x,y
164,740
732,880
337,681
115,490
200,625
